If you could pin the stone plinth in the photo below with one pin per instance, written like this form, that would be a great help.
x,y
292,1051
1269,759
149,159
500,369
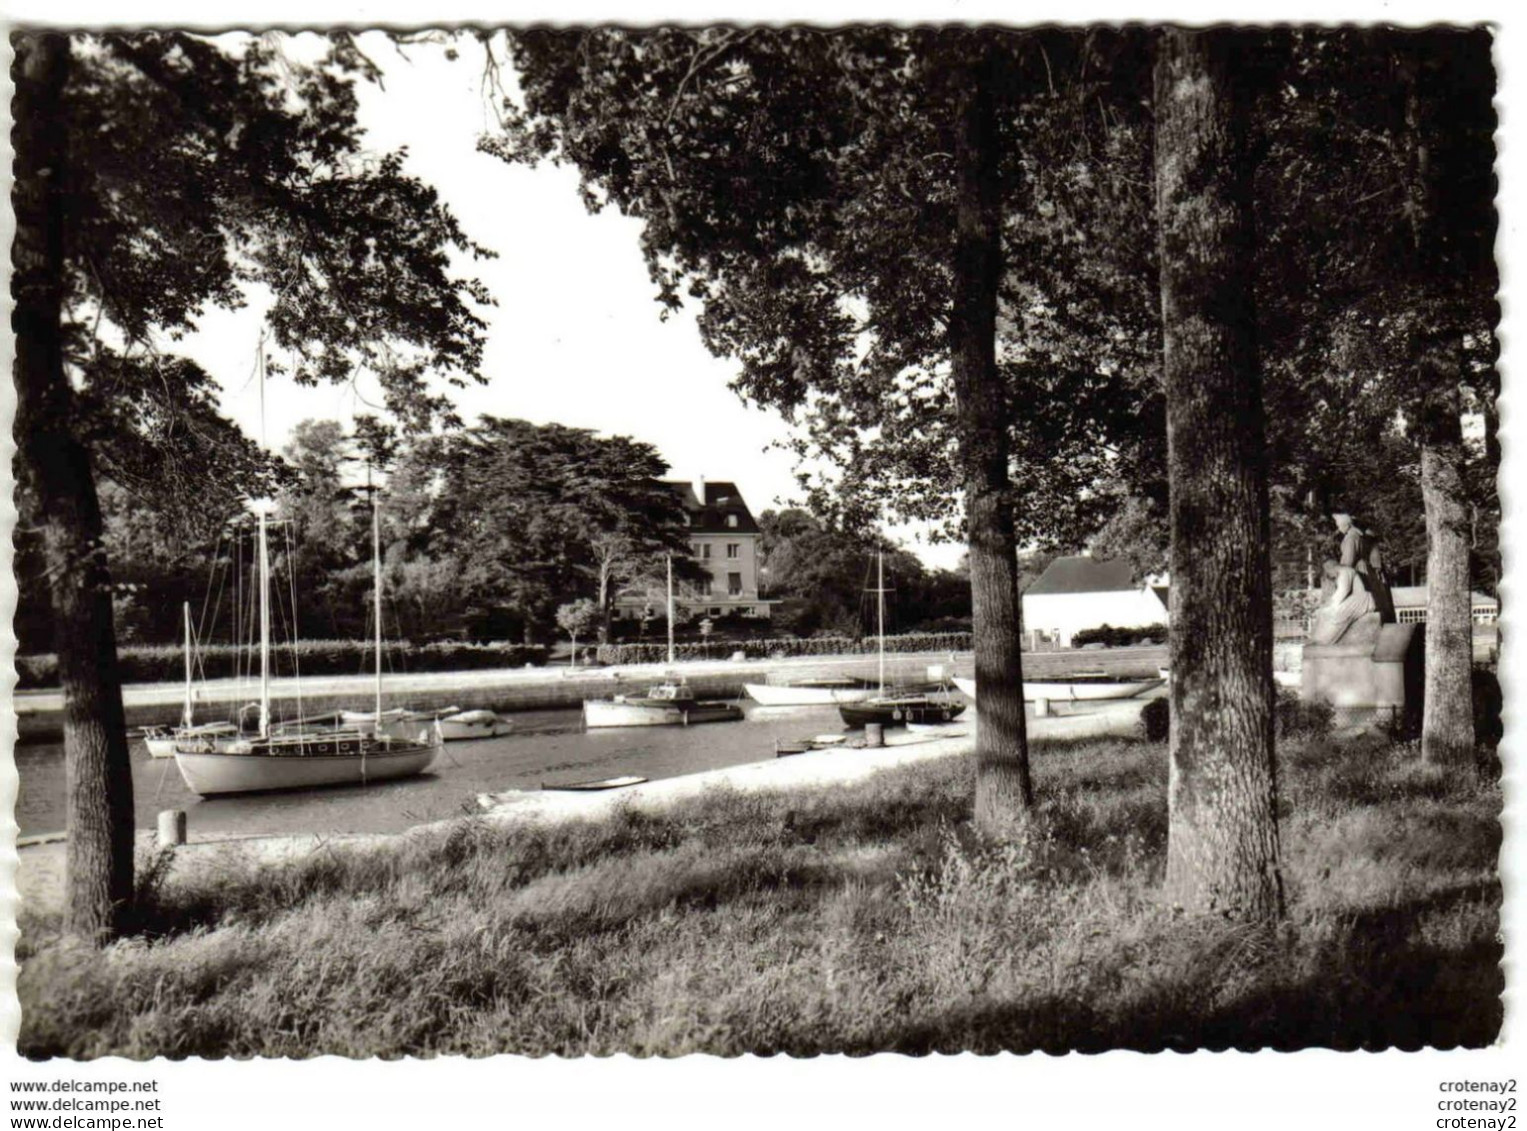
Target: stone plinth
x,y
1364,681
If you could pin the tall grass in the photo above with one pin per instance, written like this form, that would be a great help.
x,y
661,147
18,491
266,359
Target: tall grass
x,y
855,918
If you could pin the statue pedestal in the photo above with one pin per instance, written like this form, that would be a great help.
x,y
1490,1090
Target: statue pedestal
x,y
1363,681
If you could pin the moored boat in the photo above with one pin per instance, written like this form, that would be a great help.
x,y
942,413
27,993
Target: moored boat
x,y
1082,686
462,725
672,703
898,710
892,707
300,755
811,692
298,761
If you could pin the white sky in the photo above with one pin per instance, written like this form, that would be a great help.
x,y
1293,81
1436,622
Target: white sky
x,y
576,336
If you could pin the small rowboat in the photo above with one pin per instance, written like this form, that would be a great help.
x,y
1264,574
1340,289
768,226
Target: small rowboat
x,y
1079,687
602,783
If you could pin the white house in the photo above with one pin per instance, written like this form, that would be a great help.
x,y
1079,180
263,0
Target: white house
x,y
1081,592
1410,604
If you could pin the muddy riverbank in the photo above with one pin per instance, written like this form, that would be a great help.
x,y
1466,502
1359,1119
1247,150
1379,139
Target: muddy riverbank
x,y
40,713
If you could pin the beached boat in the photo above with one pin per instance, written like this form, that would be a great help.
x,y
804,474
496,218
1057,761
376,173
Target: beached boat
x,y
161,740
1078,687
301,755
898,707
811,692
670,703
593,786
898,710
297,761
461,725
454,724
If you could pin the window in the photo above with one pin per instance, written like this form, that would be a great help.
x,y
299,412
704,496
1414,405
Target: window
x,y
705,551
715,612
731,520
733,549
734,584
705,586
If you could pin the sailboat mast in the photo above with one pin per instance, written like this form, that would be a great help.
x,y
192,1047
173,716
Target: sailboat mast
x,y
376,565
670,610
880,608
264,630
186,714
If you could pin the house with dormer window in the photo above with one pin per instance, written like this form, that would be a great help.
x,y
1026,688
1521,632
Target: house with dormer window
x,y
723,542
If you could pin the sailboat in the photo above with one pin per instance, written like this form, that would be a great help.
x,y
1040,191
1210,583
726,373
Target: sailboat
x,y
897,708
161,740
447,724
670,703
300,755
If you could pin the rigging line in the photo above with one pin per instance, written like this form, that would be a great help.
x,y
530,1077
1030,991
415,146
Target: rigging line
x,y
291,577
236,613
217,549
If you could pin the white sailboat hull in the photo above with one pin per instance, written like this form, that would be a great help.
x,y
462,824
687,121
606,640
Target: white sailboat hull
x,y
771,695
1083,690
473,724
216,772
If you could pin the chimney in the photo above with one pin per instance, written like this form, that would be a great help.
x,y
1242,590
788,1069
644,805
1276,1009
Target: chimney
x,y
700,489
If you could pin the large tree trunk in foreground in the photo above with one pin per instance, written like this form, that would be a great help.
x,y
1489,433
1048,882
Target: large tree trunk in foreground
x,y
1222,853
1004,791
1447,720
57,469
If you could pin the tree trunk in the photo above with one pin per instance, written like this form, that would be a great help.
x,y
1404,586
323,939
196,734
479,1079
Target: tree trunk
x,y
99,799
1004,790
1447,720
1222,853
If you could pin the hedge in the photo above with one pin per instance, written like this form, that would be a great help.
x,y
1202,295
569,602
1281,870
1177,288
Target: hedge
x,y
784,647
165,663
1119,637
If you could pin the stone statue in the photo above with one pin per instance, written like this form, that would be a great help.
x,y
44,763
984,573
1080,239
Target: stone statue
x,y
1360,551
1346,603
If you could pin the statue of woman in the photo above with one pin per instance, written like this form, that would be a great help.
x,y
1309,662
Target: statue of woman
x,y
1349,600
1360,550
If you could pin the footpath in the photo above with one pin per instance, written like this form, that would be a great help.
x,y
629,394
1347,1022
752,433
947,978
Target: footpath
x,y
40,875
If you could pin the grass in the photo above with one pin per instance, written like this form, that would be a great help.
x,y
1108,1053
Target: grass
x,y
855,919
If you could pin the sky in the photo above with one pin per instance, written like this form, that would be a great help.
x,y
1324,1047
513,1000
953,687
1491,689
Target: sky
x,y
576,337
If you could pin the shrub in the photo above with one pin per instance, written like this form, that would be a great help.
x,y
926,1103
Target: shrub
x,y
1487,708
1119,637
1156,720
1293,717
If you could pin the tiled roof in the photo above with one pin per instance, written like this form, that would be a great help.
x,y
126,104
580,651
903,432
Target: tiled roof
x,y
1083,575
722,499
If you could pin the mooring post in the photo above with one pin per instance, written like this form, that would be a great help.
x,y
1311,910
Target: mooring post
x,y
172,827
874,734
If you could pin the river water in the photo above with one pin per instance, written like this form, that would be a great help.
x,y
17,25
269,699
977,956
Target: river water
x,y
545,747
